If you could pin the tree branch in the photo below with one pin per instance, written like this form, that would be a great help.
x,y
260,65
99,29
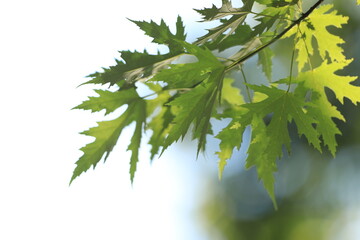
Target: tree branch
x,y
277,37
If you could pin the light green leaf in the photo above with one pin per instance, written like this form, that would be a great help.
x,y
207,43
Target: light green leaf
x,y
317,80
268,141
231,94
324,112
107,133
325,77
230,137
108,100
316,27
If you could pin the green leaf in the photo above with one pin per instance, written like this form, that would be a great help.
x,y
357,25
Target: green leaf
x,y
238,17
134,66
139,116
107,133
316,27
271,15
240,37
265,164
162,116
214,13
230,137
110,101
196,106
324,77
324,113
160,128
231,94
137,66
267,141
190,74
161,34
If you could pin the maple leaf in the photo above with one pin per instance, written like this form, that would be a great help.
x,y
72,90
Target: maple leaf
x,y
263,161
107,132
241,36
214,13
238,17
271,15
161,34
136,66
189,74
230,136
315,27
197,105
108,100
159,123
139,117
159,126
267,141
324,77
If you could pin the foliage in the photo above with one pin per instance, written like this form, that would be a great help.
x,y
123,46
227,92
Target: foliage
x,y
185,97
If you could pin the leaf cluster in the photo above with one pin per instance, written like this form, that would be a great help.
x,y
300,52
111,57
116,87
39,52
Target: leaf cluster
x,y
185,97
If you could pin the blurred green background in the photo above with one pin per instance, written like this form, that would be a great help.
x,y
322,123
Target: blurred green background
x,y
318,195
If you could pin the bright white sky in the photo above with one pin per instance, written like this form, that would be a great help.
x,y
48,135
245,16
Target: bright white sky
x,y
46,49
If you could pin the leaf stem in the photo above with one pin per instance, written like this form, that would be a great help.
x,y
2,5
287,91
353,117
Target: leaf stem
x,y
277,37
246,84
291,68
